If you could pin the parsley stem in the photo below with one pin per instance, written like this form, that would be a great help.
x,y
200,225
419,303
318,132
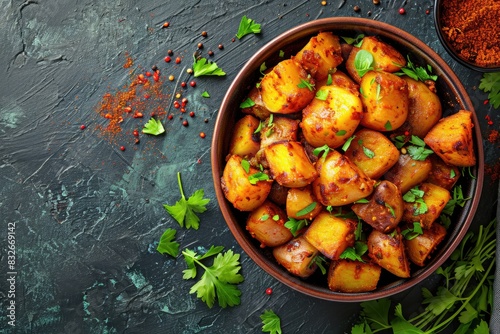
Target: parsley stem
x,y
180,185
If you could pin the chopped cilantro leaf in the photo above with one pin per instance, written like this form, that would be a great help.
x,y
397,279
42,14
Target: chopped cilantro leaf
x,y
153,127
167,245
247,26
202,66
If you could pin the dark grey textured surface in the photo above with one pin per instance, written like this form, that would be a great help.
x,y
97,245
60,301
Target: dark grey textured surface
x,y
87,215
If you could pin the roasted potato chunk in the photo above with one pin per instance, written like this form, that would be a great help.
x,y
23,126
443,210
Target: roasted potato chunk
x,y
287,88
388,251
407,173
237,188
258,109
289,164
277,129
385,57
424,108
435,199
385,97
298,199
349,65
441,174
331,235
385,208
372,152
244,142
321,55
421,247
340,181
297,256
266,224
353,276
333,118
451,139
340,79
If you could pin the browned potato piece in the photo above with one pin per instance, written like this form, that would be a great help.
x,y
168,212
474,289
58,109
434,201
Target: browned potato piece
x,y
300,198
284,90
258,109
441,174
349,65
451,139
384,209
340,181
353,276
385,154
266,224
385,57
278,194
278,129
332,119
407,173
289,164
340,79
424,109
243,141
435,198
237,188
385,97
297,257
331,235
320,55
389,252
421,247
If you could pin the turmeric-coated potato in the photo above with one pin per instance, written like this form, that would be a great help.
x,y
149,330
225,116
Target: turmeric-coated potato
x,y
297,256
407,173
331,235
289,164
421,247
349,65
302,204
385,57
244,141
340,79
340,181
388,251
353,276
435,199
385,97
441,174
332,117
278,128
257,107
384,209
287,88
321,55
372,152
451,139
266,224
237,188
424,109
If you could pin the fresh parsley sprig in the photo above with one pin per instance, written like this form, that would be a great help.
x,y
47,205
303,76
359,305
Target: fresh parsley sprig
x,y
490,83
418,151
153,127
417,72
356,252
167,244
247,26
271,322
295,225
415,195
202,66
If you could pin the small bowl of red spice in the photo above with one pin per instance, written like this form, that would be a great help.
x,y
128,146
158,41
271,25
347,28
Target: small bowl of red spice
x,y
470,32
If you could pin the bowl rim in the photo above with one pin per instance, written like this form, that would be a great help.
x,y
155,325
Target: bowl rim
x,y
459,92
449,49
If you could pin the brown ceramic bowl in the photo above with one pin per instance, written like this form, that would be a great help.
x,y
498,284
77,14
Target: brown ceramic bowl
x,y
453,95
438,23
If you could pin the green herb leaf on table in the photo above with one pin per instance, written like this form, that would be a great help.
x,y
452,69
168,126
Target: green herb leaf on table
x,y
490,83
167,245
218,281
247,26
153,127
205,94
184,211
202,66
271,323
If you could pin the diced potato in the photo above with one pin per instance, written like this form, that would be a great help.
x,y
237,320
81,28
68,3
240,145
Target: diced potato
x,y
441,174
244,141
353,276
349,65
435,199
258,110
340,79
266,224
278,194
333,118
285,89
385,57
384,209
237,188
451,139
278,129
385,97
388,251
289,164
385,154
407,173
340,181
300,198
331,235
321,55
424,109
421,247
297,257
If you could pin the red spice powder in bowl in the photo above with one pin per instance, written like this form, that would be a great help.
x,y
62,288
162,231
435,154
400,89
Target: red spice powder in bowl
x,y
470,31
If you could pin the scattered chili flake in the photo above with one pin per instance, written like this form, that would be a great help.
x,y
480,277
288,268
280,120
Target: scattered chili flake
x,y
138,115
427,11
156,76
166,25
488,120
148,74
402,11
176,105
485,102
493,136
147,96
129,61
185,123
192,84
82,127
269,291
202,135
167,59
